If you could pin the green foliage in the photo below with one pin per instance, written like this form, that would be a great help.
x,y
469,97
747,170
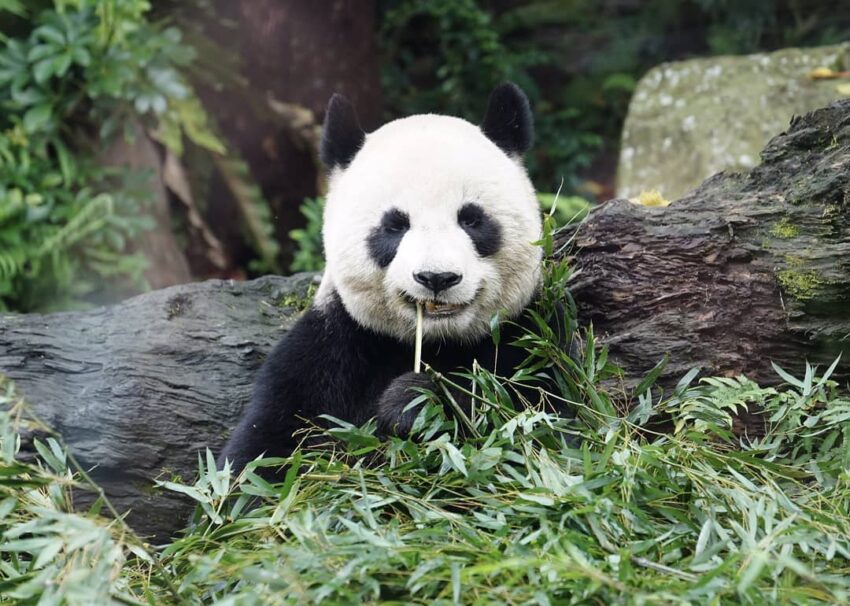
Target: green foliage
x,y
565,209
748,27
79,75
463,57
49,553
309,254
498,505
446,57
256,215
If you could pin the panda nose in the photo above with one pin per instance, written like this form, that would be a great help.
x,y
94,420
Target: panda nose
x,y
437,281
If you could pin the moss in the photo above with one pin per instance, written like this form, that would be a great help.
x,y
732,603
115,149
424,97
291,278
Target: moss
x,y
651,198
297,300
831,212
802,284
784,229
177,306
792,261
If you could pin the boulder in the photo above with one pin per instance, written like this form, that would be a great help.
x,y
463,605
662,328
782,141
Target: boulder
x,y
691,119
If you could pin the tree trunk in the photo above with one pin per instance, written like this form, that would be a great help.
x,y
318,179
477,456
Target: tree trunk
x,y
749,268
292,55
167,263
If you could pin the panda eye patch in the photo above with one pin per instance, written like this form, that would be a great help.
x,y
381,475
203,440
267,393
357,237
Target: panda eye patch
x,y
470,216
385,237
484,231
395,221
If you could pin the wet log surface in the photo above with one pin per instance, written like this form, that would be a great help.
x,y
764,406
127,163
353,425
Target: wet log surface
x,y
747,269
138,388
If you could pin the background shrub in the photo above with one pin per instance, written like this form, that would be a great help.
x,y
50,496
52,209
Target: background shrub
x,y
73,78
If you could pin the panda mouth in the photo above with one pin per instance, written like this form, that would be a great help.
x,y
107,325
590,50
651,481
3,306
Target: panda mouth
x,y
437,309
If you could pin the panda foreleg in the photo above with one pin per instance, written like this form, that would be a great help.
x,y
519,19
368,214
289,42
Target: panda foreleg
x,y
394,414
291,384
391,415
258,433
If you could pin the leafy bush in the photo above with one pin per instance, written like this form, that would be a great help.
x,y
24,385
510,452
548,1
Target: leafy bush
x,y
73,78
528,508
309,253
446,57
564,209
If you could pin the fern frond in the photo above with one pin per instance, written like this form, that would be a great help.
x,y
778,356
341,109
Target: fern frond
x,y
11,263
91,218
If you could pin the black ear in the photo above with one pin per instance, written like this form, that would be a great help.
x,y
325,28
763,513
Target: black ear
x,y
508,122
342,136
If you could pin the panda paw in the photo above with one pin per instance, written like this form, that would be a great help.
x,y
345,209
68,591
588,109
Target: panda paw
x,y
392,417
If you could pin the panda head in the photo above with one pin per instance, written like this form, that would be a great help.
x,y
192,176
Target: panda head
x,y
432,210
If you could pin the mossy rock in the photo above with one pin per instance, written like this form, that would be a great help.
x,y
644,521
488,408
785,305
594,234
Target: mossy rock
x,y
691,119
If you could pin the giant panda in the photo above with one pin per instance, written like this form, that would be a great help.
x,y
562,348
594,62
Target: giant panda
x,y
427,209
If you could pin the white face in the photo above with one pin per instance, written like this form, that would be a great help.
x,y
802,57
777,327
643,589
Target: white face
x,y
431,211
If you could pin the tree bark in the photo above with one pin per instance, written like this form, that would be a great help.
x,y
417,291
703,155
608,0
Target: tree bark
x,y
138,389
747,269
167,263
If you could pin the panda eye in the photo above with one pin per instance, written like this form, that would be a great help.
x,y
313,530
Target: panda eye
x,y
470,216
395,222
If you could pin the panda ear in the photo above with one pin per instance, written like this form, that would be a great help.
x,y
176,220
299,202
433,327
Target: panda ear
x,y
342,136
508,122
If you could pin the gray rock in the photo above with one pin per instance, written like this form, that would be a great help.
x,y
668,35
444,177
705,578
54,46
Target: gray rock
x,y
691,119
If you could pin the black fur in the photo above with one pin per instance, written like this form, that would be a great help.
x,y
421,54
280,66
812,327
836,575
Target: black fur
x,y
342,136
328,364
392,411
384,239
484,231
508,121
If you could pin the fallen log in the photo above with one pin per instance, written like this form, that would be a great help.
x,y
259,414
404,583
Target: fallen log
x,y
748,268
137,389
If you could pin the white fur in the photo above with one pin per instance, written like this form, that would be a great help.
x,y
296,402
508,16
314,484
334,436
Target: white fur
x,y
428,166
